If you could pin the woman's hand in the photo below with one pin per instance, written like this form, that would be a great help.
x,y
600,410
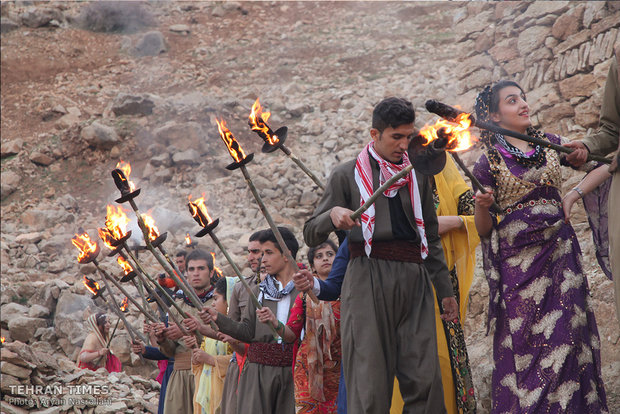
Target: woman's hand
x,y
265,315
484,200
447,224
450,309
567,203
102,352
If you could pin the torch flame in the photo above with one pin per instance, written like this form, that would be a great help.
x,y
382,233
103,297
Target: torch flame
x,y
231,142
199,212
150,225
124,304
258,123
116,222
2,339
218,271
124,264
125,167
188,240
85,245
459,136
91,285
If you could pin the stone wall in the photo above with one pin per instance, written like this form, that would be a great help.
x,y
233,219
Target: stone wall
x,y
558,51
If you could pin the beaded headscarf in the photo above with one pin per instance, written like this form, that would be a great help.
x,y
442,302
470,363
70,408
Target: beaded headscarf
x,y
482,107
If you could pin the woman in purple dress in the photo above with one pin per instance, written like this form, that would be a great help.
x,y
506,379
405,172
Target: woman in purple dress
x,y
546,345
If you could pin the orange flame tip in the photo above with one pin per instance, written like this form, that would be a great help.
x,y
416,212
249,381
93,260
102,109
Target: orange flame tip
x,y
85,245
124,264
91,285
235,150
125,167
199,211
459,136
150,225
258,122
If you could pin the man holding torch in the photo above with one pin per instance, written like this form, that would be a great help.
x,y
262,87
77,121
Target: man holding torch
x,y
266,385
236,308
387,313
181,389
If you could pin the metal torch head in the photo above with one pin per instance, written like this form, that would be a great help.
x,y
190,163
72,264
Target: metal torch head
x,y
427,159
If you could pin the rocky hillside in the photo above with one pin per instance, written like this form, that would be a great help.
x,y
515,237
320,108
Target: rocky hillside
x,y
84,86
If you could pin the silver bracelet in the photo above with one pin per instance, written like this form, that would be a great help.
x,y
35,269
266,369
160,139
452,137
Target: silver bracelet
x,y
578,190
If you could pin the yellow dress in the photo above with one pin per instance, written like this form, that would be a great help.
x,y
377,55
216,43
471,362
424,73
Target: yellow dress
x,y
459,250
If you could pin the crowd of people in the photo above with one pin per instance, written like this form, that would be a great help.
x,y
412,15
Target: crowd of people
x,y
386,333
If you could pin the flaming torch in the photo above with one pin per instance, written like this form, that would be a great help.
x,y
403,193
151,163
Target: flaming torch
x,y
2,341
274,140
153,239
88,253
199,212
115,237
124,305
93,287
189,243
451,114
452,138
218,271
231,143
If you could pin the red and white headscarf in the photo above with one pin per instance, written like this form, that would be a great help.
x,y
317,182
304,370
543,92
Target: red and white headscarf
x,y
363,178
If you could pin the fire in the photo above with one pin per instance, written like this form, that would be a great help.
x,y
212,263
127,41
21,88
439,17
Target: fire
x,y
199,212
459,136
258,123
124,304
124,264
150,225
125,167
115,225
2,339
91,285
188,240
85,245
231,142
218,271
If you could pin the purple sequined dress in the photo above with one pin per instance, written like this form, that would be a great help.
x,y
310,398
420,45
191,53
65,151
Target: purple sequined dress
x,y
546,345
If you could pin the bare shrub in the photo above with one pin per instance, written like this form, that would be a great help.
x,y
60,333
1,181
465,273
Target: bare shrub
x,y
115,16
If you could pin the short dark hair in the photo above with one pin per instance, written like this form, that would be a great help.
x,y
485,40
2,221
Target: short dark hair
x,y
255,236
312,250
181,253
200,254
221,286
392,112
287,235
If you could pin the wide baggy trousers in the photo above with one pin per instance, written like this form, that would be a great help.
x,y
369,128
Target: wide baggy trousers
x,y
387,329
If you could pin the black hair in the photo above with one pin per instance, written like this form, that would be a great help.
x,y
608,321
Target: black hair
x,y
287,235
487,101
221,286
312,250
200,254
392,112
255,236
181,253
